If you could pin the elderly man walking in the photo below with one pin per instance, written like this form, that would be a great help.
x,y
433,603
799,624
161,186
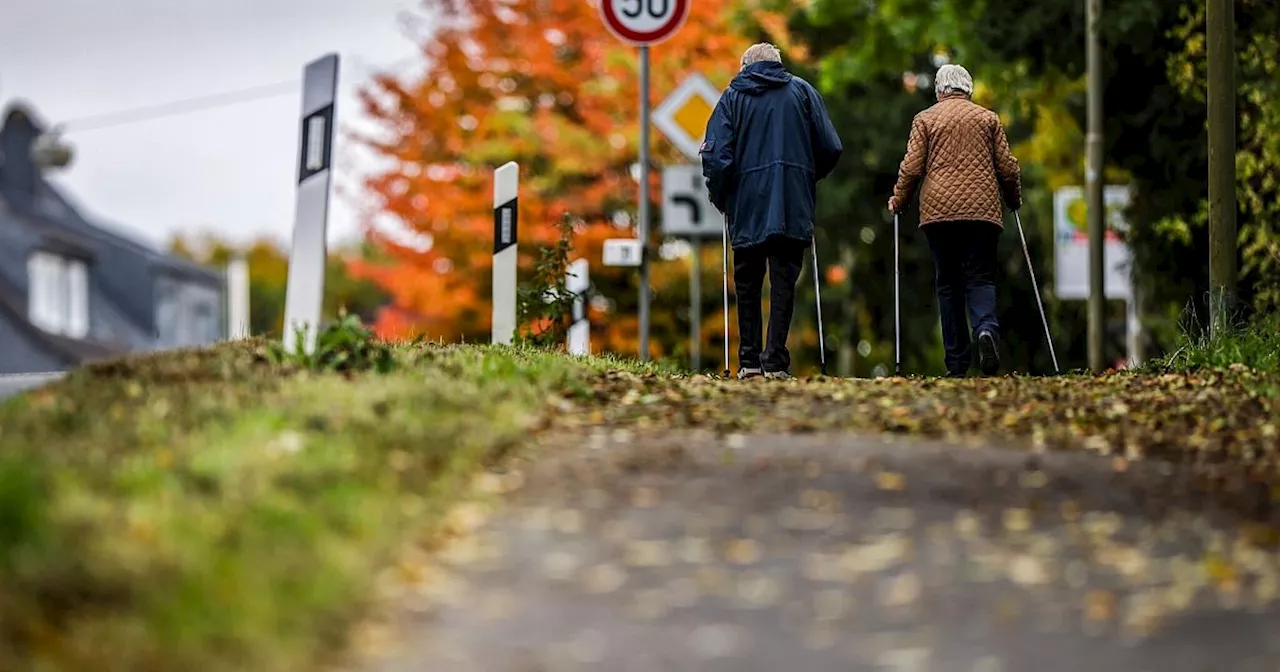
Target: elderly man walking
x,y
767,144
959,158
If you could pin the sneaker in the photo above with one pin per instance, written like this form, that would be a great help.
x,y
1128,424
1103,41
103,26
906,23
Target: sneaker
x,y
777,375
988,354
749,373
957,374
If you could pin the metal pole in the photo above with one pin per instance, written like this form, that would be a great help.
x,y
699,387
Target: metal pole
x,y
643,230
695,308
1220,34
1093,189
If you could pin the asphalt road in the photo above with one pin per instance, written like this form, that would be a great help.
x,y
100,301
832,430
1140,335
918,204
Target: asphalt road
x,y
833,552
11,384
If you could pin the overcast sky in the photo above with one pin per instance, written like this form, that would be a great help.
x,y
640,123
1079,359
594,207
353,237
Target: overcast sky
x,y
230,169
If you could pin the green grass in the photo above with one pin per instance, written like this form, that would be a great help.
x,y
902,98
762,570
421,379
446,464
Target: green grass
x,y
225,509
1256,345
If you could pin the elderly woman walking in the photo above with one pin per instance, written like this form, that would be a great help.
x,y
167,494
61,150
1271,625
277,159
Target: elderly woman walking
x,y
959,159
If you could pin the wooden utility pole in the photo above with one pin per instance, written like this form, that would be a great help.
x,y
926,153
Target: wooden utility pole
x,y
1094,178
1220,36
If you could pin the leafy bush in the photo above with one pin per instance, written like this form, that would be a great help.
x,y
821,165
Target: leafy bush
x,y
545,303
344,346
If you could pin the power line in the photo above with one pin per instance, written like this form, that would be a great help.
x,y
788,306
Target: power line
x,y
179,107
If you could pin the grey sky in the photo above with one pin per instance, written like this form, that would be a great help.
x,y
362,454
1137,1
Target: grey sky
x,y
231,169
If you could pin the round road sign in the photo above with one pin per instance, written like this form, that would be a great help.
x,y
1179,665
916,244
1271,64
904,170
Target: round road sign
x,y
644,22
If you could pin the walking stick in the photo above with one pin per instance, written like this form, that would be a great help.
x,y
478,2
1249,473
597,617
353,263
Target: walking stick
x,y
1036,286
897,323
724,276
817,292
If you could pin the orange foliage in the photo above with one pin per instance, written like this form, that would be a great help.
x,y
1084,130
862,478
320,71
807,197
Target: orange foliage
x,y
543,83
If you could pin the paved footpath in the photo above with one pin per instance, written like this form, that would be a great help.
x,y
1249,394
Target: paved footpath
x,y
672,552
13,383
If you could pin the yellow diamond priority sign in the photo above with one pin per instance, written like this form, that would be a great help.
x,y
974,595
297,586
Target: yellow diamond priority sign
x,y
683,116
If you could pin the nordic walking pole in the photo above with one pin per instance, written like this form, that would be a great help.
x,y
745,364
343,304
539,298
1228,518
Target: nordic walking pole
x,y
897,323
724,274
817,292
1036,286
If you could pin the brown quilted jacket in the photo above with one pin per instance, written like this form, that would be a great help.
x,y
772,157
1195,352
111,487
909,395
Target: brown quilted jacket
x,y
959,157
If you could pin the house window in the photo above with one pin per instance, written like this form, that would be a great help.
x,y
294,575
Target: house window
x,y
58,296
187,313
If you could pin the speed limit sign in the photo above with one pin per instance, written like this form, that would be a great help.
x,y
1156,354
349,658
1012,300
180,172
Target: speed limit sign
x,y
644,22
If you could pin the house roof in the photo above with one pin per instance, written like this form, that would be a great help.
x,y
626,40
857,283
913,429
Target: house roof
x,y
39,215
71,351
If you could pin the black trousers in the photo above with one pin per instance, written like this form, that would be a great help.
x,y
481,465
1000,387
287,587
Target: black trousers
x,y
782,258
964,260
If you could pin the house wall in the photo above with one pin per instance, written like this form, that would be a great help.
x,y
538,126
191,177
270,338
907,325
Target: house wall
x,y
188,313
19,355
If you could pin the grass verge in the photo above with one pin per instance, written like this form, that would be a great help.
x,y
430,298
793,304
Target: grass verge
x,y
1256,345
223,510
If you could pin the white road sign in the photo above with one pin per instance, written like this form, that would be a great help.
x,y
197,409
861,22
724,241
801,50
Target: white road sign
x,y
622,252
644,22
686,208
1071,244
683,116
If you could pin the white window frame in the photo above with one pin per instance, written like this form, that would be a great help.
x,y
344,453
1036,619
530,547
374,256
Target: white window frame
x,y
58,294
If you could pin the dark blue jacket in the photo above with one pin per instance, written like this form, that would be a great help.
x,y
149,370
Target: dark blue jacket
x,y
768,143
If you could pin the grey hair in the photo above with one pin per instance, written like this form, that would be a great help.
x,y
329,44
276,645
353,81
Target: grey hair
x,y
757,53
953,78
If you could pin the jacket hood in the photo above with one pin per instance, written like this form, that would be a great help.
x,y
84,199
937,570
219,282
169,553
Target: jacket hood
x,y
759,77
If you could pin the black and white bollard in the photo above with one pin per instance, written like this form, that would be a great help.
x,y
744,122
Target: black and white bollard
x,y
578,281
506,216
304,294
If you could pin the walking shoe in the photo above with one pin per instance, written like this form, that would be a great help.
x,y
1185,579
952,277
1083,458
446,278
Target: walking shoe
x,y
988,354
957,374
749,373
777,375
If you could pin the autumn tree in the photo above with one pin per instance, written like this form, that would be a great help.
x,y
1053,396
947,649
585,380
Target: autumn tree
x,y
543,83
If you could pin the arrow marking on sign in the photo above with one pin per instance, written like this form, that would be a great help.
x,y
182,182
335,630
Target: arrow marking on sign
x,y
695,209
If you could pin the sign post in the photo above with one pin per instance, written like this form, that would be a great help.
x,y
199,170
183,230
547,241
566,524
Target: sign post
x,y
506,218
644,23
304,293
687,211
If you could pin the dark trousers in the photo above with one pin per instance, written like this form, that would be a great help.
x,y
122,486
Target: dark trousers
x,y
964,260
783,258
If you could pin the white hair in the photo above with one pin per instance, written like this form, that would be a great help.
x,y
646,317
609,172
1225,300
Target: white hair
x,y
953,78
757,53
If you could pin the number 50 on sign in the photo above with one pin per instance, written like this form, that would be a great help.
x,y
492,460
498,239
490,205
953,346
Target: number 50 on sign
x,y
644,22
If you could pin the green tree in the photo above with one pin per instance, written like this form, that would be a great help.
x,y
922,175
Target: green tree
x,y
268,277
